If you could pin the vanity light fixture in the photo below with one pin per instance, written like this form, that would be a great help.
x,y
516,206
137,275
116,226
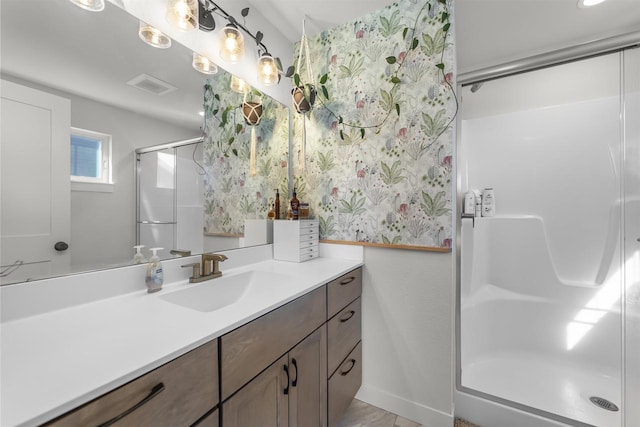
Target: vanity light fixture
x,y
183,14
153,37
238,85
231,44
588,3
203,64
91,5
268,70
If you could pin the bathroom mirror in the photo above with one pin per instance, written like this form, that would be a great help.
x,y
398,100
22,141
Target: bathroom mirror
x,y
98,62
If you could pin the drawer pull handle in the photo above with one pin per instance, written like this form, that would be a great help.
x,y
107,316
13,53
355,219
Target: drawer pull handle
x,y
348,316
159,388
353,363
294,383
347,280
286,369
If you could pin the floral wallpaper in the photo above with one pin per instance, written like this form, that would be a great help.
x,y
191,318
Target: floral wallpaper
x,y
378,166
231,194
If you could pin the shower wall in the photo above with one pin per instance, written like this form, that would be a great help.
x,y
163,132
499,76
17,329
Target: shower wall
x,y
170,199
542,282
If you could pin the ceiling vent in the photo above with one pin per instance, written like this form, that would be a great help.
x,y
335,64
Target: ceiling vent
x,y
150,84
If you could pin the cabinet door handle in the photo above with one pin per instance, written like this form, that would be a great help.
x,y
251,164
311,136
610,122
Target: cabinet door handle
x,y
294,383
347,280
348,316
345,373
286,370
156,390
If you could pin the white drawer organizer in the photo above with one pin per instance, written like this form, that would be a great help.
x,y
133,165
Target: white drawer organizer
x,y
295,241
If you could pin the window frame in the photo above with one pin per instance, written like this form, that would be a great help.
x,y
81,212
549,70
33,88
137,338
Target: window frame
x,y
105,182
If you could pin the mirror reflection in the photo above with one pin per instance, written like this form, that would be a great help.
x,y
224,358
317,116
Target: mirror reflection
x,y
70,70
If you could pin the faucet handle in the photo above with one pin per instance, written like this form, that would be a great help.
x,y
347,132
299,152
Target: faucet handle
x,y
196,271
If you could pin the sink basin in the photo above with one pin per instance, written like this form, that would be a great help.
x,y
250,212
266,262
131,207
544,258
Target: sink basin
x,y
223,291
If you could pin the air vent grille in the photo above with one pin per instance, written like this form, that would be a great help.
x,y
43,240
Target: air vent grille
x,y
151,84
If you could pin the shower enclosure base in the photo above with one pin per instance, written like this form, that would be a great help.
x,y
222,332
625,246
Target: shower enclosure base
x,y
552,385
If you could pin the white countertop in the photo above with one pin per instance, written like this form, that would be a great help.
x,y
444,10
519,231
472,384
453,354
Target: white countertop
x,y
55,361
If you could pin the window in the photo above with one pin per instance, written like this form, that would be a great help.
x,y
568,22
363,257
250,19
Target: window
x,y
90,160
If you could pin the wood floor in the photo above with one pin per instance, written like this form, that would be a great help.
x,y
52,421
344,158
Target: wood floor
x,y
361,414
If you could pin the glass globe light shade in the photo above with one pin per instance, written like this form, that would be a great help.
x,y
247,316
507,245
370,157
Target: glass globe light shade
x,y
238,85
267,70
153,37
232,44
183,14
203,64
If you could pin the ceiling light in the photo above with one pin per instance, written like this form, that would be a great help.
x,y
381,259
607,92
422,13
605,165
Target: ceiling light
x,y
203,64
268,70
183,14
153,37
589,3
238,85
232,44
92,5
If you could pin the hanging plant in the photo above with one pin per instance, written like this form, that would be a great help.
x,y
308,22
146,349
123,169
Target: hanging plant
x,y
304,98
390,104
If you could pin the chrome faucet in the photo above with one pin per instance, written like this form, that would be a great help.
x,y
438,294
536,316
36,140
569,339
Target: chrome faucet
x,y
207,269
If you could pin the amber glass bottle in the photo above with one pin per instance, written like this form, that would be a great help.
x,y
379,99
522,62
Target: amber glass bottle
x,y
295,204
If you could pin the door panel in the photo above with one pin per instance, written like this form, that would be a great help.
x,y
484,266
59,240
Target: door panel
x,y
35,181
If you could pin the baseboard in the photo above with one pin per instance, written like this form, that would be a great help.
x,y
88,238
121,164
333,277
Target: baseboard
x,y
411,410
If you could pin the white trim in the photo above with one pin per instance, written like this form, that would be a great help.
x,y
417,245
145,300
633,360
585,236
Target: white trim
x,y
398,405
106,174
98,187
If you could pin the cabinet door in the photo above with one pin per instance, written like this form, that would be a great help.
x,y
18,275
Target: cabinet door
x,y
263,402
308,379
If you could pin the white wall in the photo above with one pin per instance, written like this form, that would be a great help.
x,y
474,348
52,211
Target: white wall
x,y
109,218
407,302
103,224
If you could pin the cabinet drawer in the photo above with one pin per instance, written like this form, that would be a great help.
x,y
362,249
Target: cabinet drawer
x,y
343,290
248,350
344,385
344,332
309,243
310,237
177,393
308,226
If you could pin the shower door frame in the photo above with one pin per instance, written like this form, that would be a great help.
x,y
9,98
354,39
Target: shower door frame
x,y
558,57
156,148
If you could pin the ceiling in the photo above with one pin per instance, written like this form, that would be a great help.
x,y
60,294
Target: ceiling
x,y
488,32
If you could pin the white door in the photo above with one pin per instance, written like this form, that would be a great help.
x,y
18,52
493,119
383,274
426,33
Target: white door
x,y
35,182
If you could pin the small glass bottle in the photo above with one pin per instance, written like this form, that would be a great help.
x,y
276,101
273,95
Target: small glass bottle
x,y
277,205
295,204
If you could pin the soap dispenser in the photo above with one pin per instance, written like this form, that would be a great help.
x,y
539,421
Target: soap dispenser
x,y
138,258
155,276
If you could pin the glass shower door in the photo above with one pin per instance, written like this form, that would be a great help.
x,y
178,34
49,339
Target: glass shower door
x,y
541,281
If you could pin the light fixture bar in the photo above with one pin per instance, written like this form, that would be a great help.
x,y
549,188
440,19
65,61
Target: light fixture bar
x,y
257,37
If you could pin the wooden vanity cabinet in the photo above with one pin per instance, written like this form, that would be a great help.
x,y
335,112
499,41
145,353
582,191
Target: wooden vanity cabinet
x,y
290,391
177,393
344,332
299,365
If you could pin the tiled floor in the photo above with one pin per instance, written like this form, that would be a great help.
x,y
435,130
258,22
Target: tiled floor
x,y
361,414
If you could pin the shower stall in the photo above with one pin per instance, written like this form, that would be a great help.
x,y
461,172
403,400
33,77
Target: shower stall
x,y
170,197
548,307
